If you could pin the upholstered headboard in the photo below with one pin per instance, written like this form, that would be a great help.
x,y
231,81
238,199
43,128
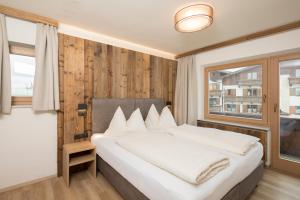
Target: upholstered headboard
x,y
104,109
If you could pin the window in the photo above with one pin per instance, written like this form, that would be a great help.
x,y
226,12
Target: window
x,y
297,91
242,93
298,73
252,75
254,92
22,73
231,108
297,110
252,108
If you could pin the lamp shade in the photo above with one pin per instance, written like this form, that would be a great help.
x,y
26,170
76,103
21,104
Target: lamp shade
x,y
194,18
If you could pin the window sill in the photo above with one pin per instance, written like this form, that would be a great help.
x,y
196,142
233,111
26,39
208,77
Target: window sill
x,y
265,127
21,106
21,101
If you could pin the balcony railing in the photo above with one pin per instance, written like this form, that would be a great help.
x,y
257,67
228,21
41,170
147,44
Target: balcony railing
x,y
215,109
294,80
215,93
250,82
248,99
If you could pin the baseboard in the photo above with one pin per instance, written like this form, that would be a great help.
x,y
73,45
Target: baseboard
x,y
27,183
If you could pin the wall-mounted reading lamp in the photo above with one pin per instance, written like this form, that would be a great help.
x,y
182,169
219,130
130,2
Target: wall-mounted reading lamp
x,y
82,109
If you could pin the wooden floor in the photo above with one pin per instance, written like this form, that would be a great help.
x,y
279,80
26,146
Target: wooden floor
x,y
83,187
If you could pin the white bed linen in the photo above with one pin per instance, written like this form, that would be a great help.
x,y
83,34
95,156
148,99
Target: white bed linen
x,y
183,158
227,140
158,184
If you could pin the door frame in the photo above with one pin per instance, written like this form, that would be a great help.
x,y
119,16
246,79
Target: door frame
x,y
278,163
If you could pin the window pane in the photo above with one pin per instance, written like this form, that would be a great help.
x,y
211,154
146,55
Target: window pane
x,y
290,109
236,92
22,73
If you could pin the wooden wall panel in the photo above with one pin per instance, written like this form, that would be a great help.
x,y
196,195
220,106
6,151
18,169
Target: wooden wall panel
x,y
156,83
60,113
73,86
102,71
142,76
88,70
89,62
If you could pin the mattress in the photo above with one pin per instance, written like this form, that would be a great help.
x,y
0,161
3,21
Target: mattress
x,y
158,184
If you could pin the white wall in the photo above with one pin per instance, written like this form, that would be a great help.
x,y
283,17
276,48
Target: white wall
x,y
279,43
28,144
20,31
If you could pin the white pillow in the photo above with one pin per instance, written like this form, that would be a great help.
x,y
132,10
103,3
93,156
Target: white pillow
x,y
152,119
166,119
136,121
118,123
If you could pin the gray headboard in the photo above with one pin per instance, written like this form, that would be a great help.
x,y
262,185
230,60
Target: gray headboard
x,y
104,109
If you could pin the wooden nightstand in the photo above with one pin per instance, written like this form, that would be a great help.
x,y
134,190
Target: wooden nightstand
x,y
78,153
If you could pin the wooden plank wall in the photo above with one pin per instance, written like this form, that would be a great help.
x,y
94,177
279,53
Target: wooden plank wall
x,y
88,69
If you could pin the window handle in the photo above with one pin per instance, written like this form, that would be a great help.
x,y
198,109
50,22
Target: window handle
x,y
275,107
264,98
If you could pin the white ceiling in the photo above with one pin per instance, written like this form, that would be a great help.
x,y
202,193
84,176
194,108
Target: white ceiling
x,y
150,22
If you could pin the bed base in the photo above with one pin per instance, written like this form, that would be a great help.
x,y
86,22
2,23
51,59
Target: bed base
x,y
239,192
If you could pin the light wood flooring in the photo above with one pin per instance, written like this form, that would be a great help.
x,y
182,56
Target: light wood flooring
x,y
83,187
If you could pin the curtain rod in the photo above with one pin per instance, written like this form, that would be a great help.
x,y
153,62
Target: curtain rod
x,y
27,16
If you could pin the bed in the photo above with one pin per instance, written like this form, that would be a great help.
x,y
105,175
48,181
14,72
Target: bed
x,y
134,178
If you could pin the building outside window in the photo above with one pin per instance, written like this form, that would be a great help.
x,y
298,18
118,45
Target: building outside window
x,y
231,107
252,75
22,75
297,91
298,73
297,110
240,88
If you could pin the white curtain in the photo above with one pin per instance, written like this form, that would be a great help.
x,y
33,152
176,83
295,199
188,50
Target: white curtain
x,y
5,75
46,88
186,105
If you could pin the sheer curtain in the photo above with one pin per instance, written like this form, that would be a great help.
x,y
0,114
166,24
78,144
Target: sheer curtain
x,y
5,76
46,88
186,105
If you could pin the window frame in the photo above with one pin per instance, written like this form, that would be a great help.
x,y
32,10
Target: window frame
x,y
232,119
22,49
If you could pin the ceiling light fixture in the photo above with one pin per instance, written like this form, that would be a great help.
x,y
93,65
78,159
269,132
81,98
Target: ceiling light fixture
x,y
193,18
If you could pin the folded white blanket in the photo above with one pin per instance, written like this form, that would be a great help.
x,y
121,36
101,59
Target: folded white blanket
x,y
227,140
183,158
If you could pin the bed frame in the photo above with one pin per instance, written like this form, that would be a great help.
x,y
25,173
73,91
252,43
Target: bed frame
x,y
103,110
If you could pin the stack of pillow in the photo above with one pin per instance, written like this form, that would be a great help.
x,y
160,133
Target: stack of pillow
x,y
153,122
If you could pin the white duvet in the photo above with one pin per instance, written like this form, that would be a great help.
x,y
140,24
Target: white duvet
x,y
229,141
183,158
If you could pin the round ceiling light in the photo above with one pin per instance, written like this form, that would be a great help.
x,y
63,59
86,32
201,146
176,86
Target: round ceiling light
x,y
194,18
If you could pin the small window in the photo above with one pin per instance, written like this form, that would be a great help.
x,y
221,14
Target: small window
x,y
297,91
22,63
22,75
249,76
239,92
297,110
252,76
298,73
254,92
231,108
229,92
252,109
